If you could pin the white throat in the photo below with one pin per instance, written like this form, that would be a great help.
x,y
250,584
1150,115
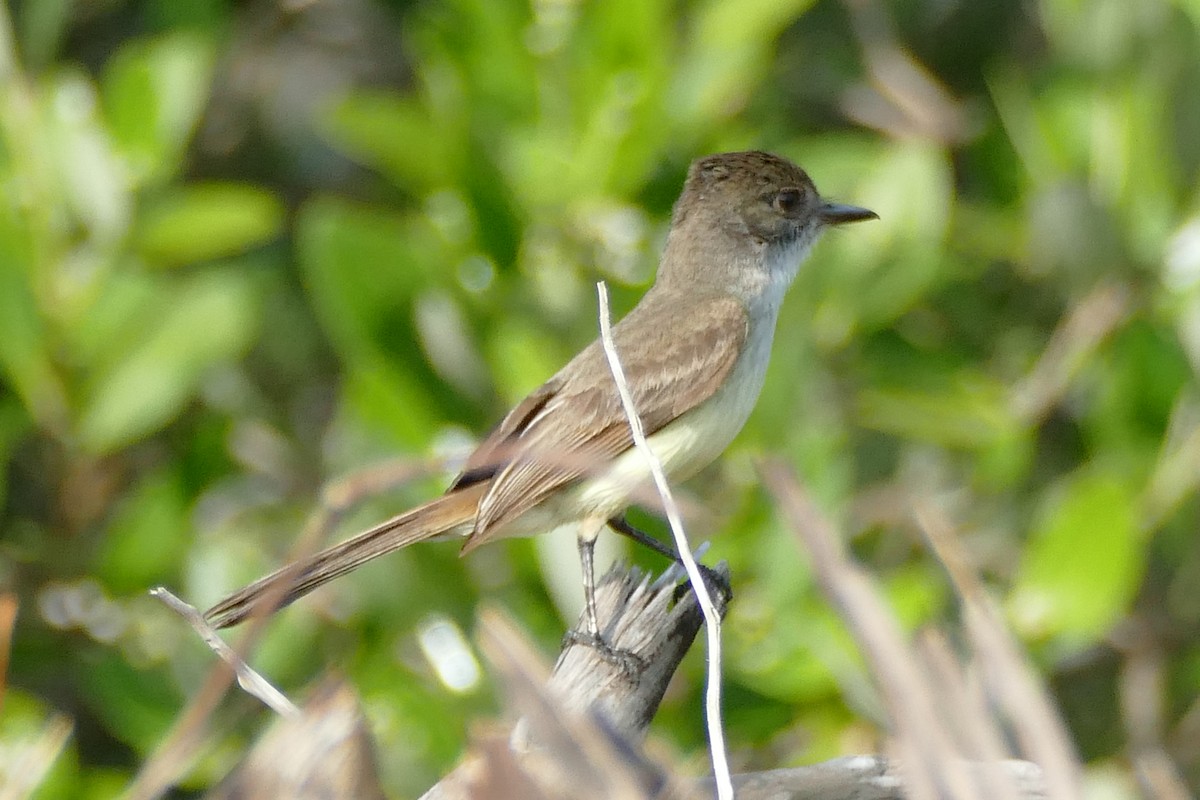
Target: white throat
x,y
762,283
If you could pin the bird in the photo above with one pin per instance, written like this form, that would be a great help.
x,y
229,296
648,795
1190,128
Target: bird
x,y
694,351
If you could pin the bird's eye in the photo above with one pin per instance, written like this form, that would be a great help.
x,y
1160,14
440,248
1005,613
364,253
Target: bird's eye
x,y
788,200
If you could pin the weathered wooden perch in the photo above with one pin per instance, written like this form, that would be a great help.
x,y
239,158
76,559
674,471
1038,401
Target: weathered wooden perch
x,y
870,778
639,616
580,729
579,726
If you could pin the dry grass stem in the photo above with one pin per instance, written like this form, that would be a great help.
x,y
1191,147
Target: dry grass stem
x,y
1013,682
712,619
28,765
253,683
944,733
186,736
1074,341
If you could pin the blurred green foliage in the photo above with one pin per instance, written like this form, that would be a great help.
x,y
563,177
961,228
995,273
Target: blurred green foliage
x,y
248,248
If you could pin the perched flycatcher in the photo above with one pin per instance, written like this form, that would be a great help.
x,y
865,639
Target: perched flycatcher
x,y
694,351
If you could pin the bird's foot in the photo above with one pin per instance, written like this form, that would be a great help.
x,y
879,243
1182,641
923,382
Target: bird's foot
x,y
629,662
717,584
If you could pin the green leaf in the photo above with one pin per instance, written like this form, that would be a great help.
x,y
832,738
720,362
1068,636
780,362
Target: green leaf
x,y
147,539
970,412
24,349
1083,563
396,136
884,268
92,179
113,320
393,400
363,266
135,705
729,51
154,93
203,321
208,221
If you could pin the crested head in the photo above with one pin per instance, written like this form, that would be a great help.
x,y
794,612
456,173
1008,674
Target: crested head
x,y
745,220
759,195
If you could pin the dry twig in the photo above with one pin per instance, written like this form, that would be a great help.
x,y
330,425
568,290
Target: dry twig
x,y
712,619
580,727
186,735
940,725
253,683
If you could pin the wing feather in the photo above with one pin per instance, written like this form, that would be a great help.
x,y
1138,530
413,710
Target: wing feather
x,y
494,452
675,357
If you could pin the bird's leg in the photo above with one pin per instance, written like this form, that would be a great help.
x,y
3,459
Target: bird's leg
x,y
588,531
622,526
587,552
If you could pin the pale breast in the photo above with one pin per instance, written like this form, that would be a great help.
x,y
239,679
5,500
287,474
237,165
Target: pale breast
x,y
688,444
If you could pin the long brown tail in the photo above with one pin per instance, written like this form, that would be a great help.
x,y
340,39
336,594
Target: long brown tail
x,y
296,580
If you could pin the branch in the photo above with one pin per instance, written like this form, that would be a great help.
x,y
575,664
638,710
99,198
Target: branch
x,y
869,778
579,727
251,682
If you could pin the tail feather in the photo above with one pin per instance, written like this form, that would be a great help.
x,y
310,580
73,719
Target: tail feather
x,y
292,582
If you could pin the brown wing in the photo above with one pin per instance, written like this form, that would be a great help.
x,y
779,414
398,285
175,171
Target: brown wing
x,y
496,451
675,357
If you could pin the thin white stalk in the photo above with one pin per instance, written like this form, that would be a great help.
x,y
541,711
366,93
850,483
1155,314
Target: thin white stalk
x,y
712,620
253,683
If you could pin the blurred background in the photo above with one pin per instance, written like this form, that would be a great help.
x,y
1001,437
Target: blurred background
x,y
248,248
